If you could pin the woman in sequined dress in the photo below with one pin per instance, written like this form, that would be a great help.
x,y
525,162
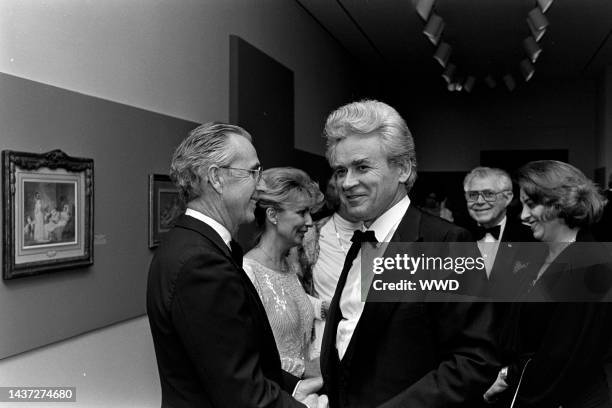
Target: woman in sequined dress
x,y
284,203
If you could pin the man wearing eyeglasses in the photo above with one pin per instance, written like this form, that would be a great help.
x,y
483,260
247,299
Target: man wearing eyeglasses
x,y
213,343
488,192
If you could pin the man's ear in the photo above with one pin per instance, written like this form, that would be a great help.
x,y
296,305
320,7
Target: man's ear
x,y
509,196
405,171
215,179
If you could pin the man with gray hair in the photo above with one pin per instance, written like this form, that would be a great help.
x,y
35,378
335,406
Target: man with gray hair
x,y
395,354
488,192
213,343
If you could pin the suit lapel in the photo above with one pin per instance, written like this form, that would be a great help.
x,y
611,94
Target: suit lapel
x,y
506,252
210,234
376,314
185,221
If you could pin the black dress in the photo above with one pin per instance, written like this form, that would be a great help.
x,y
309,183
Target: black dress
x,y
559,334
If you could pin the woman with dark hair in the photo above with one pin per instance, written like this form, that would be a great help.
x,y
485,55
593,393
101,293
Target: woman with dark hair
x,y
282,214
558,334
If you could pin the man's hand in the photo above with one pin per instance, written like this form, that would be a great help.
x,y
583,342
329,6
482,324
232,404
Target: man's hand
x,y
316,401
306,387
499,386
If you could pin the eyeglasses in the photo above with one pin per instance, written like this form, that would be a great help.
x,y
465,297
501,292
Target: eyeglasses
x,y
255,173
489,196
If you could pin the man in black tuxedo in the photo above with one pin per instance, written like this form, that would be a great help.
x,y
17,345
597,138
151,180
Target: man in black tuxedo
x,y
212,339
411,354
488,192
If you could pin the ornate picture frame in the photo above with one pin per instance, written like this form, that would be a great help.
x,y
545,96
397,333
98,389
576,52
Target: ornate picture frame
x,y
165,205
48,205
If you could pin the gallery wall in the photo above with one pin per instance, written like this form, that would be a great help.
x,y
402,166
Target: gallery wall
x,y
126,144
172,57
107,66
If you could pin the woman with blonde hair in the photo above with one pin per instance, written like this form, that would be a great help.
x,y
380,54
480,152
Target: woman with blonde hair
x,y
284,203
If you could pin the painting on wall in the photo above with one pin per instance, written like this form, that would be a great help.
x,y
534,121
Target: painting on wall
x,y
165,205
48,212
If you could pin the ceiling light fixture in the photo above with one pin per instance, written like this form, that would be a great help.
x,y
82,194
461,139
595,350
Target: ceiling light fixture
x,y
469,83
527,69
510,82
449,72
532,48
424,7
537,19
434,28
544,4
442,54
490,81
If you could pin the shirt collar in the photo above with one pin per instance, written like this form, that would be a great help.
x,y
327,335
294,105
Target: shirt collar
x,y
385,225
346,225
502,227
219,229
502,223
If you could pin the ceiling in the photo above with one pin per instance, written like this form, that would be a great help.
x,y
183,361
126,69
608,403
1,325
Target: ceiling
x,y
486,36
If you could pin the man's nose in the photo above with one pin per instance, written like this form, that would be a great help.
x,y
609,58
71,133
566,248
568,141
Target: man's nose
x,y
480,199
350,180
261,184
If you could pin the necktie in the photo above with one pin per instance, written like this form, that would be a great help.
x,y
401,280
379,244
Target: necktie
x,y
358,238
236,252
482,231
335,315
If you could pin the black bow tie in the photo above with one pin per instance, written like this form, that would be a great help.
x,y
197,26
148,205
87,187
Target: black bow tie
x,y
363,236
236,252
482,231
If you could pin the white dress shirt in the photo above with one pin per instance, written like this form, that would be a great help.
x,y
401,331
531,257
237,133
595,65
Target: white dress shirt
x,y
351,305
488,246
334,242
219,229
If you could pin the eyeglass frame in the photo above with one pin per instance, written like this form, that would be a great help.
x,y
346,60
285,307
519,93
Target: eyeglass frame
x,y
255,173
481,193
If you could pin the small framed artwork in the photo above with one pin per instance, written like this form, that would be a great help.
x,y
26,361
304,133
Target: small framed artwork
x,y
48,212
165,205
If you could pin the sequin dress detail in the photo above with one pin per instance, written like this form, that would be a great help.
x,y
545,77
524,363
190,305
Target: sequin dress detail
x,y
289,311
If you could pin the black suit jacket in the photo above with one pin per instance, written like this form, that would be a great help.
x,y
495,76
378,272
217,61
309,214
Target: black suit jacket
x,y
212,339
418,355
502,283
564,328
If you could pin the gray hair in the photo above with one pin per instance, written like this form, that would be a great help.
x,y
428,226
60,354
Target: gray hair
x,y
373,117
503,178
204,146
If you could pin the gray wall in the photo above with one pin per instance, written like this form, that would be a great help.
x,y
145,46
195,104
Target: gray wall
x,y
170,57
126,144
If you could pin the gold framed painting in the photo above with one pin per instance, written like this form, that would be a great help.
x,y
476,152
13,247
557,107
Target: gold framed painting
x,y
48,212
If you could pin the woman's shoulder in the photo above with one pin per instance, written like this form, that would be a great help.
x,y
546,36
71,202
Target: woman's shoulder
x,y
251,262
